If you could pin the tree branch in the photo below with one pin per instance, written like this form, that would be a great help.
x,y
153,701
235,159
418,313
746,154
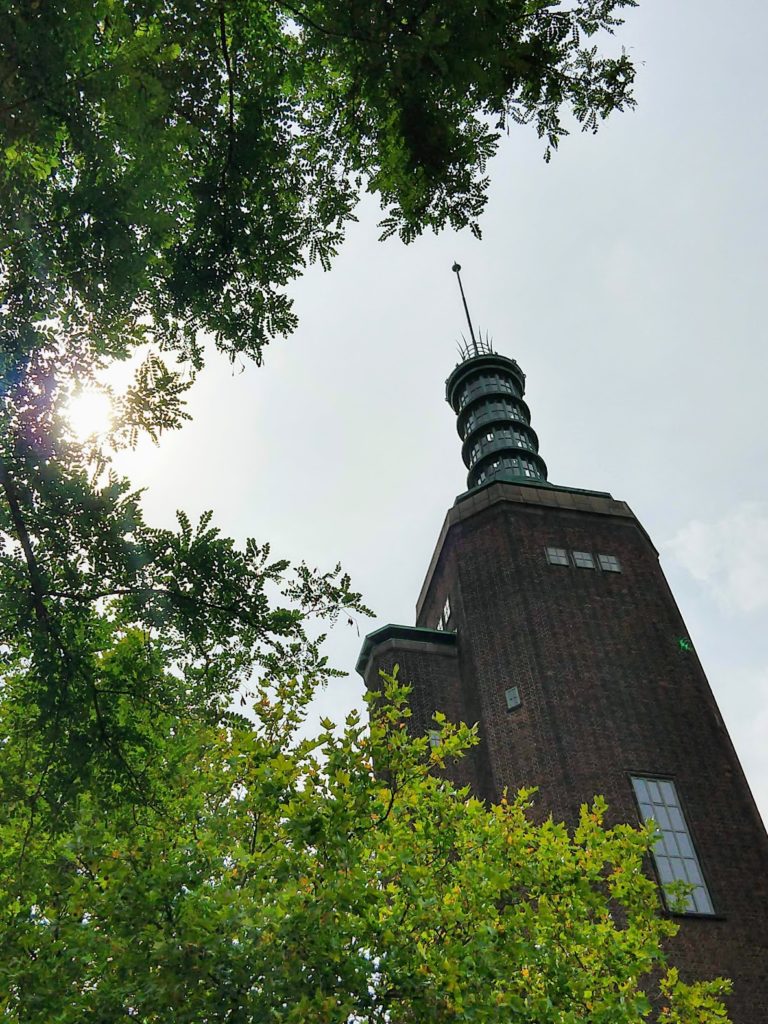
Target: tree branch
x,y
36,584
304,19
230,90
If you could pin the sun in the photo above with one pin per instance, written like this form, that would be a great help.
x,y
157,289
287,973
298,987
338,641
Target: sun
x,y
89,413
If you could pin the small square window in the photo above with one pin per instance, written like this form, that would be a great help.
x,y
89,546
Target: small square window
x,y
513,698
557,556
609,563
583,559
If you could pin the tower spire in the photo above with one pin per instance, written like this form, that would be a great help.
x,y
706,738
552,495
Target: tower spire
x,y
457,271
486,392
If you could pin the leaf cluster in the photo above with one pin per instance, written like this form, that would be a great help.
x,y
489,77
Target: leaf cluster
x,y
169,168
274,877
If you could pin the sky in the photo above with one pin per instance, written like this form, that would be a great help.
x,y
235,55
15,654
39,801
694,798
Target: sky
x,y
627,277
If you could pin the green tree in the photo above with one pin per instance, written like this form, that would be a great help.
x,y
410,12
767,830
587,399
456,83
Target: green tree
x,y
169,167
268,877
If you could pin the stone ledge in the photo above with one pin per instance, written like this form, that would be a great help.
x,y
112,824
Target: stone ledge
x,y
497,492
407,638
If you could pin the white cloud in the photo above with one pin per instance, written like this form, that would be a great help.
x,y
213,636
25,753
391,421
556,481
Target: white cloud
x,y
729,556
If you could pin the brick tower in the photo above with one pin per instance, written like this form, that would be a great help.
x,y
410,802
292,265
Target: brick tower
x,y
545,618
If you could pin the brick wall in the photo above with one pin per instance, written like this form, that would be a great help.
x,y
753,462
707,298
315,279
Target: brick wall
x,y
606,692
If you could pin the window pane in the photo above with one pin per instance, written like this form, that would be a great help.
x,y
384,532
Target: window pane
x,y
661,815
640,790
665,869
653,790
647,811
668,844
677,820
702,901
667,793
684,844
692,872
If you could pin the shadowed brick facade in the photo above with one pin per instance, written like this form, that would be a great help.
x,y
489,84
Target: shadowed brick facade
x,y
609,686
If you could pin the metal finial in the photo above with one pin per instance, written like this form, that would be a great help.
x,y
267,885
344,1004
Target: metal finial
x,y
457,271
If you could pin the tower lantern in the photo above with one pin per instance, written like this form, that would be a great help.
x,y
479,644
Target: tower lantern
x,y
494,423
486,392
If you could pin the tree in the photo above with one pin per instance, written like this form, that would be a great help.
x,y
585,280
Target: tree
x,y
266,877
169,167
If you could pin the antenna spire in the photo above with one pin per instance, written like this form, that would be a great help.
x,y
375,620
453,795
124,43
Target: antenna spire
x,y
457,271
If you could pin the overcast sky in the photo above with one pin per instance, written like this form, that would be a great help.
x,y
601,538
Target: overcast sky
x,y
628,280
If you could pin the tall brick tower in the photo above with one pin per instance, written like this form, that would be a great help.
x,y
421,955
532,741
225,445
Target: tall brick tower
x,y
545,618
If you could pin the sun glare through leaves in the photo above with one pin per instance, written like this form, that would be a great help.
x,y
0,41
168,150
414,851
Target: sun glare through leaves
x,y
89,413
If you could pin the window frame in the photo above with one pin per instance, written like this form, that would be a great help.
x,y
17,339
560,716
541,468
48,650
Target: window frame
x,y
519,701
608,568
586,554
566,563
683,829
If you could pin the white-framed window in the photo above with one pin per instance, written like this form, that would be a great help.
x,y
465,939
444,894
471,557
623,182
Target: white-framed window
x,y
673,854
557,556
439,623
447,610
512,696
583,559
609,563
435,739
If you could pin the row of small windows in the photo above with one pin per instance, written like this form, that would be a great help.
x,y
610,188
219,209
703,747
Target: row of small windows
x,y
499,382
583,560
493,407
521,467
673,852
501,434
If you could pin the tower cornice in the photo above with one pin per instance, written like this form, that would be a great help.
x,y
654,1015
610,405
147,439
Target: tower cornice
x,y
475,501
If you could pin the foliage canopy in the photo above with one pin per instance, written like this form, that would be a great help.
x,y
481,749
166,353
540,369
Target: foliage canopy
x,y
169,167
